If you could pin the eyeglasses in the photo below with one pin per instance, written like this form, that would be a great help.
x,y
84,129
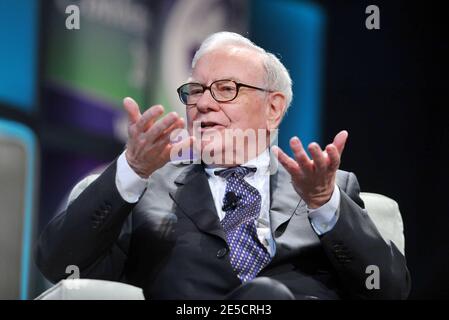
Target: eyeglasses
x,y
221,91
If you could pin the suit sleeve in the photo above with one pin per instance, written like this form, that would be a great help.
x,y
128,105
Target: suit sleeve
x,y
354,244
92,233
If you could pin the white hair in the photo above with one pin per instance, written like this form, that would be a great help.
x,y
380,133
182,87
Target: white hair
x,y
277,76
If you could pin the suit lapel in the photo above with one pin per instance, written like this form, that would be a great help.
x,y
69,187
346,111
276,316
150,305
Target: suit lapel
x,y
284,201
194,197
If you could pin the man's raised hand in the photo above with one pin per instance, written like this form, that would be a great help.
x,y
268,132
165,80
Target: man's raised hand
x,y
313,179
148,147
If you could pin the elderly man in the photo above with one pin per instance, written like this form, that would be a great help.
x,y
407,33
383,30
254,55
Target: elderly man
x,y
231,227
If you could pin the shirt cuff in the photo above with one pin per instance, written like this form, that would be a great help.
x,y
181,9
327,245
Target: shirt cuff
x,y
129,184
324,218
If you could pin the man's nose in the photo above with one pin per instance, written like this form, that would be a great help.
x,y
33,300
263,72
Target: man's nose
x,y
207,102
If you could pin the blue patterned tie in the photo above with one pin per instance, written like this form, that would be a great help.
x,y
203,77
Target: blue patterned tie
x,y
248,255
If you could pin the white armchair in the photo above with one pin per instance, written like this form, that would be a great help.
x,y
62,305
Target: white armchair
x,y
385,214
90,289
383,211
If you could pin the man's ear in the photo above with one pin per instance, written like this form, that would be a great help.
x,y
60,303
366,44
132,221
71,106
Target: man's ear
x,y
276,109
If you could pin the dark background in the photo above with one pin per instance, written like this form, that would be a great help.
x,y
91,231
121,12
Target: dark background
x,y
389,89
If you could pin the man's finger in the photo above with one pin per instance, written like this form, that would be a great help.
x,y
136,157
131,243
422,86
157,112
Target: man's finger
x,y
289,164
166,134
161,125
300,154
179,124
340,141
334,157
132,109
149,117
318,157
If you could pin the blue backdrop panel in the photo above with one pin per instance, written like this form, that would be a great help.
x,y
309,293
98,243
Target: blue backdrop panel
x,y
18,54
18,158
295,32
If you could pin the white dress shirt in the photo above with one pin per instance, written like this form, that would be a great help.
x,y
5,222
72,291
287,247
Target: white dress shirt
x,y
131,187
259,180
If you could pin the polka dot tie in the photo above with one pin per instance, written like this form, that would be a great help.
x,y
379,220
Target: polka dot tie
x,y
248,255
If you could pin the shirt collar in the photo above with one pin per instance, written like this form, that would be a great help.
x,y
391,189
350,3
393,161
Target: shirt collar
x,y
261,162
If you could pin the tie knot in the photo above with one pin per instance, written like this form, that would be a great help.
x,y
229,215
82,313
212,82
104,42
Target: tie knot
x,y
237,172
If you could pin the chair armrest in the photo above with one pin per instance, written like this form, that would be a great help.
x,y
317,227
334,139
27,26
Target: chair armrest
x,y
90,289
385,214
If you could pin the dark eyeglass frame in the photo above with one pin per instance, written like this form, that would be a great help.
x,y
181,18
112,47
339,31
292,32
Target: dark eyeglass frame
x,y
238,85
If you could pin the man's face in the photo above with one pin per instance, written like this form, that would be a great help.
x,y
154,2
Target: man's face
x,y
249,110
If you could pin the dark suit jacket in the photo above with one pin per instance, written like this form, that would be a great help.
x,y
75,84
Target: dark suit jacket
x,y
172,245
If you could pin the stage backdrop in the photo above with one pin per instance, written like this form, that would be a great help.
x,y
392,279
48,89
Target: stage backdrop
x,y
295,32
18,189
18,55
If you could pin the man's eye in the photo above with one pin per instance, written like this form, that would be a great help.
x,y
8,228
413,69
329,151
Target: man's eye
x,y
227,88
195,91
